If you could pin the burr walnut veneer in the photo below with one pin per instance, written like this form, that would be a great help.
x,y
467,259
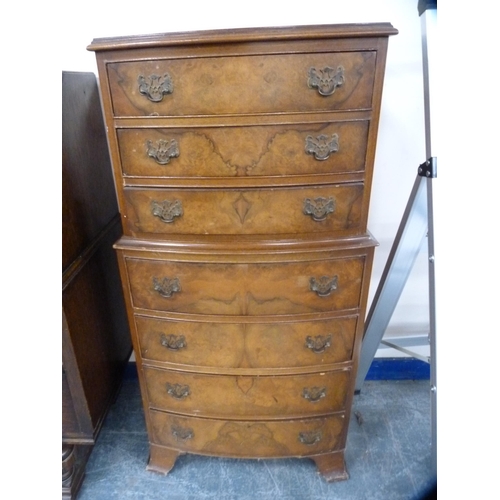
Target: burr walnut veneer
x,y
243,164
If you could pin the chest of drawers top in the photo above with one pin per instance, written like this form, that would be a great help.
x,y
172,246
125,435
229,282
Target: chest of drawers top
x,y
243,71
261,128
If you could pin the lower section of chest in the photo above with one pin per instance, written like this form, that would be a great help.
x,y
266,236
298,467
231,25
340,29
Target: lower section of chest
x,y
247,352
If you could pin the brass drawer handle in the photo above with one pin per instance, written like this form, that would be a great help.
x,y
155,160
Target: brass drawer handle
x,y
173,342
154,87
322,146
319,343
319,208
167,286
163,151
182,433
314,394
326,80
310,438
323,286
167,210
178,391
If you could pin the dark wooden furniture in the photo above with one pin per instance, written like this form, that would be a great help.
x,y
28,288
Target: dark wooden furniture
x,y
96,341
243,162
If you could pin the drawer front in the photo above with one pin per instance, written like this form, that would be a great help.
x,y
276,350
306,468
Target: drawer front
x,y
227,396
246,345
334,209
248,439
246,289
299,149
243,84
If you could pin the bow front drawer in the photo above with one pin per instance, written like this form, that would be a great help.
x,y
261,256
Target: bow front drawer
x,y
245,439
246,345
243,84
270,150
226,396
336,208
246,289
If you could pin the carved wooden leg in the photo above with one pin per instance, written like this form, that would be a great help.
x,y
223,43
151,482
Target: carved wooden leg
x,y
161,459
332,466
68,464
74,460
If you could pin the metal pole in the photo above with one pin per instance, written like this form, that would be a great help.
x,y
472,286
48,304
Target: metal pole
x,y
404,252
428,20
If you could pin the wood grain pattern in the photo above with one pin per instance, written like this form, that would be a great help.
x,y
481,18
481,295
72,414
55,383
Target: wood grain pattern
x,y
246,396
269,211
247,345
240,85
246,439
246,289
272,150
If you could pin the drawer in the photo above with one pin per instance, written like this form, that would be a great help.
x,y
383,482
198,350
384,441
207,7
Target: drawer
x,y
298,149
227,396
247,439
246,345
246,289
243,84
335,208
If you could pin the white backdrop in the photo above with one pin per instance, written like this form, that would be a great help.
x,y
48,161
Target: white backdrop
x,y
401,145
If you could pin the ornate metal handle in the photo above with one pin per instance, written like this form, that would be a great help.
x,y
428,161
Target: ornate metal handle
x,y
319,343
173,342
314,394
319,208
322,146
178,391
154,87
324,286
166,287
182,433
310,438
163,151
167,210
326,80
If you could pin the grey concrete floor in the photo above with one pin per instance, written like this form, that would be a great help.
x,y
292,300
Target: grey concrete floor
x,y
388,456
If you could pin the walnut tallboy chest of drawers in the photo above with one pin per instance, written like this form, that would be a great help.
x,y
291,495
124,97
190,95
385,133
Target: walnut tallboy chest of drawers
x,y
243,164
